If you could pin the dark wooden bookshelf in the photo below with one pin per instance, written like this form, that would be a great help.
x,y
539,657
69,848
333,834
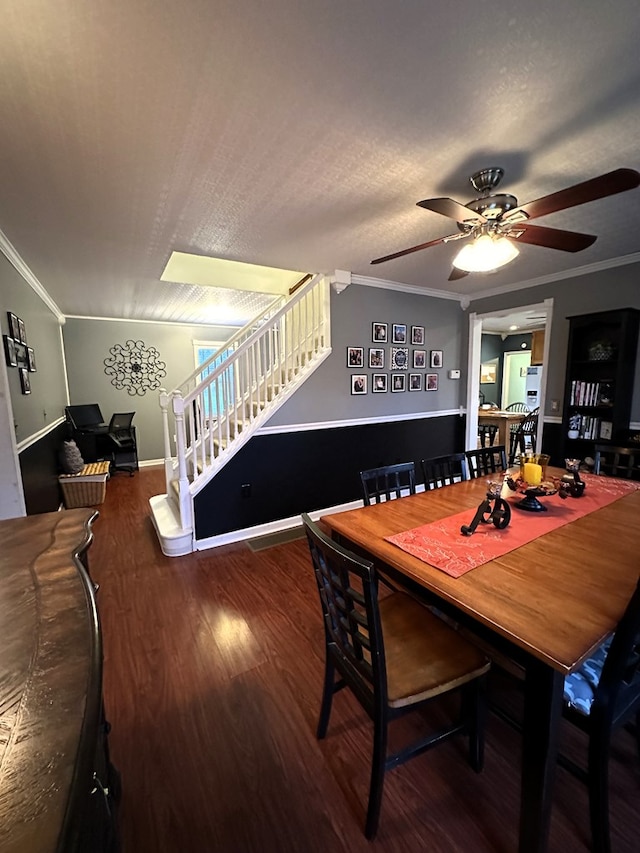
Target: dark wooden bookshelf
x,y
601,361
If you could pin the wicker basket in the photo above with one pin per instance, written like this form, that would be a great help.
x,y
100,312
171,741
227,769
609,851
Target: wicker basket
x,y
87,488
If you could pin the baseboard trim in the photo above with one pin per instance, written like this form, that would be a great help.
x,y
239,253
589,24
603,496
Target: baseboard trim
x,y
277,526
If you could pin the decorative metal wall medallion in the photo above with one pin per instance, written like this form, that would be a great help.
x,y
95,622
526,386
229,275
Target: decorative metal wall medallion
x,y
135,367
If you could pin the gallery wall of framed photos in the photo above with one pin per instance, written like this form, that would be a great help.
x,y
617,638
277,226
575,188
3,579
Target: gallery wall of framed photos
x,y
17,352
400,350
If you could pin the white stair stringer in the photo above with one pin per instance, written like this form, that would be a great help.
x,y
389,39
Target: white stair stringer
x,y
250,378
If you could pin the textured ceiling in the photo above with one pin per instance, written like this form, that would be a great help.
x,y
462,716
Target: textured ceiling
x,y
299,134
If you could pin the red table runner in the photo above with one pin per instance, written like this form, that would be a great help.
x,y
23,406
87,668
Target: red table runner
x,y
441,544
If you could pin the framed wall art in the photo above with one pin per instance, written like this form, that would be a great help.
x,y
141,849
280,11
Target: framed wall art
x,y
399,333
432,382
379,383
23,331
436,358
379,333
417,336
415,382
488,372
10,351
419,358
14,326
399,358
25,382
359,383
355,356
376,358
398,382
31,360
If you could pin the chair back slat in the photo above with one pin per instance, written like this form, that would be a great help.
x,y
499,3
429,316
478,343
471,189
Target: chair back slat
x,y
388,482
444,470
347,586
486,460
617,461
619,685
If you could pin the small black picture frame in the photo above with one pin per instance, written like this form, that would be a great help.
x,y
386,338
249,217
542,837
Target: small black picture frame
x,y
415,382
379,333
14,326
419,358
25,382
379,383
359,383
431,382
417,336
355,357
23,331
376,358
31,360
398,382
436,358
399,333
10,351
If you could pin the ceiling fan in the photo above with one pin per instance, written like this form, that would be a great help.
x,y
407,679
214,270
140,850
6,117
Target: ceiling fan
x,y
495,221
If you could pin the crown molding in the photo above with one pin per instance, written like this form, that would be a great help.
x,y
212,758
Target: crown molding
x,y
385,284
13,256
587,269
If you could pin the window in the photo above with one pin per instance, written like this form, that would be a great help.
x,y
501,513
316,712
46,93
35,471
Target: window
x,y
203,350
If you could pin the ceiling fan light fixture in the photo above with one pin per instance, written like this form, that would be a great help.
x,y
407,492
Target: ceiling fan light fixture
x,y
485,253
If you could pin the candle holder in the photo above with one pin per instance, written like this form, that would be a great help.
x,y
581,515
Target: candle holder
x,y
493,510
571,485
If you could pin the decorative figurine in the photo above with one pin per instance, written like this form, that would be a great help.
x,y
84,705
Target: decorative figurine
x,y
571,484
493,509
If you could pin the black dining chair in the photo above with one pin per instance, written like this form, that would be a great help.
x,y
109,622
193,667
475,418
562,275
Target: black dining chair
x,y
388,482
444,470
621,462
525,434
487,432
486,460
602,695
395,656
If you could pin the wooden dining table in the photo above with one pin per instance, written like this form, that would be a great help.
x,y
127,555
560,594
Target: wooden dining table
x,y
547,604
503,420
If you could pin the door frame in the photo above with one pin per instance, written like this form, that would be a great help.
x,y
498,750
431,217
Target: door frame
x,y
473,370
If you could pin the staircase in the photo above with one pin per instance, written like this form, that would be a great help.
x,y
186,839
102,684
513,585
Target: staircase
x,y
222,403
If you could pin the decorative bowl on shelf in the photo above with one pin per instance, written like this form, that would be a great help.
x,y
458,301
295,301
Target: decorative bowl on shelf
x,y
601,351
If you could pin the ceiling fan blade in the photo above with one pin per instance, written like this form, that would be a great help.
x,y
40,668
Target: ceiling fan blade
x,y
455,274
552,238
409,251
452,209
614,182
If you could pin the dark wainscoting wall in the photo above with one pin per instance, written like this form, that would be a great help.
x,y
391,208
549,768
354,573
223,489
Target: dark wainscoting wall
x,y
281,475
40,469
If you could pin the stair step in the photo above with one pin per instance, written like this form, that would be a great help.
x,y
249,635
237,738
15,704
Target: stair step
x,y
175,540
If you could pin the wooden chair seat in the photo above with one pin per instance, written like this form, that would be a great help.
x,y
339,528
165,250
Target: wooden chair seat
x,y
424,656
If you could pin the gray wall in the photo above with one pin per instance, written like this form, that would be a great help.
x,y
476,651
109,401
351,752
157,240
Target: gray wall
x,y
87,343
598,291
44,405
326,395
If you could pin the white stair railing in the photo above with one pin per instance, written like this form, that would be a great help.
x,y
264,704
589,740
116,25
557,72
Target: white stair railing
x,y
258,370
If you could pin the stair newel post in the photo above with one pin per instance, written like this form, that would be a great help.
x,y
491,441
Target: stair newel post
x,y
183,481
168,458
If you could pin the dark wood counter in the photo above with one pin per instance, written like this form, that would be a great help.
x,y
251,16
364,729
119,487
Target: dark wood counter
x,y
54,763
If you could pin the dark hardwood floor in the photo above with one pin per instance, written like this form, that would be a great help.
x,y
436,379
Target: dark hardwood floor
x,y
212,678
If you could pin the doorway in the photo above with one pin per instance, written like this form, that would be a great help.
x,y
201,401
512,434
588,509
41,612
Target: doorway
x,y
539,311
515,377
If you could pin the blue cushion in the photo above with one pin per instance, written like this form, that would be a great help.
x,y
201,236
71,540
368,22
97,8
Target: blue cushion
x,y
580,687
